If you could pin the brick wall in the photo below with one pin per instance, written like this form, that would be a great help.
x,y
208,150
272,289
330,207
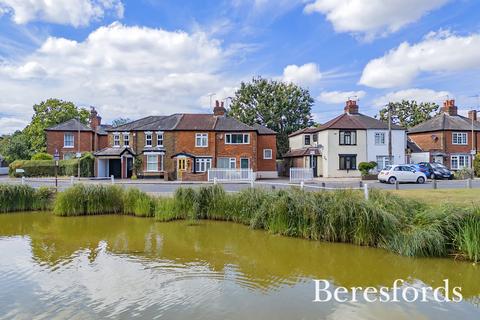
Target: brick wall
x,y
442,141
237,151
55,140
266,142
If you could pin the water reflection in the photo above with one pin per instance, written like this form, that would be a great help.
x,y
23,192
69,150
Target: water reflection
x,y
114,266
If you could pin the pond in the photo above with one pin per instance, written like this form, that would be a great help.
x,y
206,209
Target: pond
x,y
123,267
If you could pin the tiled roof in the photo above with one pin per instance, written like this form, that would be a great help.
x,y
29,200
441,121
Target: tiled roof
x,y
205,122
112,152
356,121
69,125
231,124
445,121
152,123
263,130
304,130
412,146
102,129
303,152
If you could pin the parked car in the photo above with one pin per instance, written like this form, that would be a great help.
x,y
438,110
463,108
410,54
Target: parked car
x,y
424,167
439,171
401,173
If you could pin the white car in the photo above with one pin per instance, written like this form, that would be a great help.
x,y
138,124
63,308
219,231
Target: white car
x,y
401,173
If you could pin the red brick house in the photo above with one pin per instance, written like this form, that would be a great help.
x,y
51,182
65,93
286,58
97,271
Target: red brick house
x,y
186,146
72,136
447,138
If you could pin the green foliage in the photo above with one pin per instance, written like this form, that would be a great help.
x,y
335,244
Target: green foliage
x,y
464,173
47,114
24,198
408,114
165,210
138,164
46,168
185,202
476,165
15,147
42,156
365,167
467,236
282,107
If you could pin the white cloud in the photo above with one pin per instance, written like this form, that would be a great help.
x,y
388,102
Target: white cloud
x,y
373,17
334,97
302,75
419,95
69,12
438,52
124,71
9,125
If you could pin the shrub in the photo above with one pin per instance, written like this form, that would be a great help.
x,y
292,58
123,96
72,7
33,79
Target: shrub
x,y
465,173
42,156
46,168
365,167
476,165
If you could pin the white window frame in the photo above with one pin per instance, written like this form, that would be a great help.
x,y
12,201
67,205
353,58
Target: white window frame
x,y
459,138
126,139
382,162
456,158
201,140
379,138
159,139
265,157
245,138
230,161
203,164
155,156
148,137
65,140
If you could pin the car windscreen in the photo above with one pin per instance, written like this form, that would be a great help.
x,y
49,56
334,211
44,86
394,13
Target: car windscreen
x,y
388,168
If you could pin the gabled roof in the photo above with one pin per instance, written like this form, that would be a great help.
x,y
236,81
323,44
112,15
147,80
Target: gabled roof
x,y
444,121
263,130
311,151
69,125
356,121
412,146
113,152
304,130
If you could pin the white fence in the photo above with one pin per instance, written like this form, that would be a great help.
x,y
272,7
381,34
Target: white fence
x,y
301,174
230,175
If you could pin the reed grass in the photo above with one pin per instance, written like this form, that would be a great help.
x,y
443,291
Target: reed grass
x,y
25,198
165,210
467,238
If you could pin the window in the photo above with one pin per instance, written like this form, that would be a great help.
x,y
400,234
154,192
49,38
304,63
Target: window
x,y
203,164
148,139
152,162
160,139
315,137
382,162
201,140
307,139
379,138
459,161
68,140
348,161
126,139
237,138
68,156
348,138
459,138
226,163
267,154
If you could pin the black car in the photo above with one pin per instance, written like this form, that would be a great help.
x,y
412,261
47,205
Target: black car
x,y
438,170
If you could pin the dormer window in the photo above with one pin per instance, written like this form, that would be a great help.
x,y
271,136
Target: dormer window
x,y
148,139
307,141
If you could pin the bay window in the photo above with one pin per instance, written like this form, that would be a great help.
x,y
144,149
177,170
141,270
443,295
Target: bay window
x,y
152,162
203,164
460,161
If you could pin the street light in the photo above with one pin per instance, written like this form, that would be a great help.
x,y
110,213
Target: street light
x,y
56,157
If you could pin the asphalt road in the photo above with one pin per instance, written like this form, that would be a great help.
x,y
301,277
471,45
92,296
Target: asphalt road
x,y
156,186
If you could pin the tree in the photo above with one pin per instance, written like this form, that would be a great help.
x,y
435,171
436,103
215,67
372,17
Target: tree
x,y
49,113
15,147
409,113
282,107
120,121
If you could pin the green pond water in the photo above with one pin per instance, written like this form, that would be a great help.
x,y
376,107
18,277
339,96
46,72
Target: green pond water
x,y
123,267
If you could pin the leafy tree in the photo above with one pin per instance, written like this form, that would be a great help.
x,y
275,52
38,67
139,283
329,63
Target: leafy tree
x,y
409,113
42,156
49,113
15,147
282,107
120,121
476,165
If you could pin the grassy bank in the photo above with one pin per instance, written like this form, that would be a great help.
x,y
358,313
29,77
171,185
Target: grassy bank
x,y
24,198
463,197
401,225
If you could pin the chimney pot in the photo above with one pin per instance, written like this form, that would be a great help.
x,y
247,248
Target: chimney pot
x,y
351,107
219,109
450,108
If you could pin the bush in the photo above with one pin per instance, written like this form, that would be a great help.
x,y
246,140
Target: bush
x,y
465,173
42,156
476,165
365,167
46,168
24,198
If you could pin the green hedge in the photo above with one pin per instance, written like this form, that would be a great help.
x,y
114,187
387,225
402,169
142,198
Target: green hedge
x,y
46,168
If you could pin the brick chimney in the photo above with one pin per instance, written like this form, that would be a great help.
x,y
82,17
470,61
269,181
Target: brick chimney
x,y
472,115
450,108
351,107
95,119
219,109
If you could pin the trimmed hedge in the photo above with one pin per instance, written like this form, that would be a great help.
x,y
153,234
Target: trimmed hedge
x,y
46,168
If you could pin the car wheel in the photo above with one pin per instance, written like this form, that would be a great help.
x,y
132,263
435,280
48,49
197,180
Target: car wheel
x,y
421,180
392,180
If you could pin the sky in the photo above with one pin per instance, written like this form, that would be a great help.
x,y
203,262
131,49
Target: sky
x,y
132,58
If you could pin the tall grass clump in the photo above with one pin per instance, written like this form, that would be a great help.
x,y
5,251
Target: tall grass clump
x,y
246,204
467,236
144,206
212,202
185,199
24,198
89,200
165,210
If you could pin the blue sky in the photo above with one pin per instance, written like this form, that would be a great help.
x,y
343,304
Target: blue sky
x,y
134,58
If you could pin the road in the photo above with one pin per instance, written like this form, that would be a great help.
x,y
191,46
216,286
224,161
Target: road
x,y
161,187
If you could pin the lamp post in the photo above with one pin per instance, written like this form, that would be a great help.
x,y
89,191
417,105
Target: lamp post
x,y
56,157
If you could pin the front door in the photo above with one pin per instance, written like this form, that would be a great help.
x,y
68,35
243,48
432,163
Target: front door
x,y
244,163
115,168
129,167
181,166
314,163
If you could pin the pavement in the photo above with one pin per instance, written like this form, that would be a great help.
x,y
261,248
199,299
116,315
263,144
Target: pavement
x,y
168,187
